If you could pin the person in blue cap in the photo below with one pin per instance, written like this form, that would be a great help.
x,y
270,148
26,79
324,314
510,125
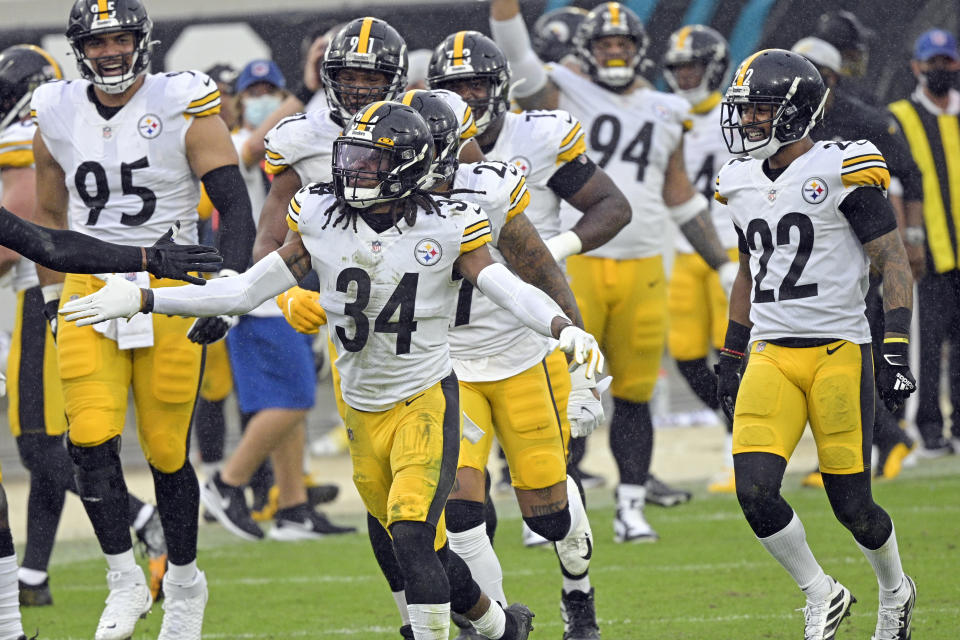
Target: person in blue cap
x,y
929,120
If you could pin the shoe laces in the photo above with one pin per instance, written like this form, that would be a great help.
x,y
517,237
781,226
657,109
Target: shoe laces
x,y
580,615
889,622
814,619
179,617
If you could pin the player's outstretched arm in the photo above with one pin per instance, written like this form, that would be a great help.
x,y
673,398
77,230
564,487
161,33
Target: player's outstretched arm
x,y
532,89
530,258
272,228
224,296
531,306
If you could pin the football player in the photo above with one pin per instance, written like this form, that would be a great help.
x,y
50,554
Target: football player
x,y
497,360
386,254
35,411
695,66
365,61
120,154
635,135
812,219
553,32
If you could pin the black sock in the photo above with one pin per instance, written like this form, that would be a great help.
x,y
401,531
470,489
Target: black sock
x,y
702,381
631,440
382,547
103,491
6,543
178,501
51,475
211,429
578,448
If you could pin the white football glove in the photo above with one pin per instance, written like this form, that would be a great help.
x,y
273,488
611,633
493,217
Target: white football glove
x,y
119,298
728,273
583,348
584,408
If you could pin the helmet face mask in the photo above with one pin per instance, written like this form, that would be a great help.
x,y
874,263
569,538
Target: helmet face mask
x,y
776,98
701,47
472,66
602,48
365,61
23,68
384,153
434,108
91,29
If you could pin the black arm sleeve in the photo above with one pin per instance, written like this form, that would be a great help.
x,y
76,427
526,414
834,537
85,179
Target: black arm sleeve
x,y
869,213
228,193
893,145
571,177
742,245
66,251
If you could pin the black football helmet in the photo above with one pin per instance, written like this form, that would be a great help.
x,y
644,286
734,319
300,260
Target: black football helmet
x,y
611,19
844,30
791,87
552,33
23,67
384,153
445,128
469,55
697,43
368,44
96,18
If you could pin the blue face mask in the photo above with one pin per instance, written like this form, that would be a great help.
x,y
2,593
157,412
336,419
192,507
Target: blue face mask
x,y
256,110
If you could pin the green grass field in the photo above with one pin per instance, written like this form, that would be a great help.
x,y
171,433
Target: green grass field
x,y
706,579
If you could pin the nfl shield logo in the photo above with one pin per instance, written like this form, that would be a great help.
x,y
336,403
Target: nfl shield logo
x,y
375,246
772,195
761,346
107,133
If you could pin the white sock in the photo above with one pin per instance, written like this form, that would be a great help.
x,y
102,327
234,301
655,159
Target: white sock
x,y
182,574
32,577
430,621
474,547
728,451
886,564
121,562
493,623
10,626
209,469
631,495
400,597
576,584
789,547
146,511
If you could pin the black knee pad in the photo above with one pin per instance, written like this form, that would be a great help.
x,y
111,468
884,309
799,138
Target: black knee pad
x,y
99,472
552,526
413,544
463,515
464,591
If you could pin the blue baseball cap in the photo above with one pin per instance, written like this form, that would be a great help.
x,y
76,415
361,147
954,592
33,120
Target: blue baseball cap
x,y
260,71
935,42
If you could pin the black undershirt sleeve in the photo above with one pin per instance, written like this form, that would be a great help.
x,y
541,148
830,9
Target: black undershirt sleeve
x,y
742,245
869,213
228,193
571,177
66,251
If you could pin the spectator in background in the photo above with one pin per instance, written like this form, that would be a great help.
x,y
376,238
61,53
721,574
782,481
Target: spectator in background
x,y
419,60
848,118
851,38
929,118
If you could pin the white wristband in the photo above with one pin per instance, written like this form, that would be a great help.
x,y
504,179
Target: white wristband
x,y
564,245
687,211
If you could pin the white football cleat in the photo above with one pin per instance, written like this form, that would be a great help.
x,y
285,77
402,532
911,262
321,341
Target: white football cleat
x,y
894,620
629,523
129,600
183,607
821,618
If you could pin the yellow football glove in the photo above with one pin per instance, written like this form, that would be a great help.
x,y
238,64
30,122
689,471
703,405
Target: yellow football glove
x,y
302,310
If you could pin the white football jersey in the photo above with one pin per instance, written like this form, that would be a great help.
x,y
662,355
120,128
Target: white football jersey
x,y
481,331
704,152
304,142
539,143
16,151
388,296
128,177
631,137
809,270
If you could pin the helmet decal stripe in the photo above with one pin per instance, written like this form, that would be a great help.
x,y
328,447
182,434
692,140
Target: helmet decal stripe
x,y
364,42
458,48
46,56
408,97
364,119
683,36
741,74
614,13
102,10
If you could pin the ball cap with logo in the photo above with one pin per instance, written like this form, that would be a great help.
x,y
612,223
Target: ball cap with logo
x,y
936,42
260,71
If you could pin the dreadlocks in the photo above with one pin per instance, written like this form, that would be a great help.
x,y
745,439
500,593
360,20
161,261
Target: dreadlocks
x,y
402,208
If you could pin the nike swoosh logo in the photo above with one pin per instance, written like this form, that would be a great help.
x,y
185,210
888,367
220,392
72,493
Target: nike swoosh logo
x,y
830,351
589,553
411,400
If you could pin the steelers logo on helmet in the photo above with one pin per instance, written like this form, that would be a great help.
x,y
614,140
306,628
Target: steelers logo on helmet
x,y
775,99
552,33
113,73
365,61
611,43
814,190
471,65
384,153
23,67
428,252
694,49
